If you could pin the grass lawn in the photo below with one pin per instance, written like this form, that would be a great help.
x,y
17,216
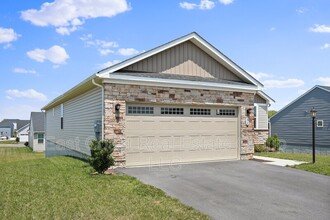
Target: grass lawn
x,y
321,166
8,142
33,187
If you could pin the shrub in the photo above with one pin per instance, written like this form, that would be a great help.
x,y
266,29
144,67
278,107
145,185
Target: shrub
x,y
26,143
273,142
17,139
260,148
101,158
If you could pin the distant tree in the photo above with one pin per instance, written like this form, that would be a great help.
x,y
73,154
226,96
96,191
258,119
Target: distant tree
x,y
271,113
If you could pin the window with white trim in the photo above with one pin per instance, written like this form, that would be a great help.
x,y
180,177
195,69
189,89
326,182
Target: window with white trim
x,y
319,123
62,115
200,111
226,112
141,110
171,111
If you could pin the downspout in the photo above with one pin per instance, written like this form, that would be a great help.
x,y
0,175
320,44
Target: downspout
x,y
101,86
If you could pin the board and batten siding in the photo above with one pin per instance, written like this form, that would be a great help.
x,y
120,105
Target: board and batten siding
x,y
293,124
80,114
184,59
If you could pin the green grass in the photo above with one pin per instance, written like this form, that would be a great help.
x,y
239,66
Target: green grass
x,y
321,166
8,142
32,187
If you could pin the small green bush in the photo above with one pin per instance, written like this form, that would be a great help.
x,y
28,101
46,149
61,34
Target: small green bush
x,y
260,148
26,143
101,158
17,139
273,142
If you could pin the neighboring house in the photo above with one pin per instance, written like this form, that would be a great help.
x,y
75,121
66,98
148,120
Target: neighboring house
x,y
293,123
37,131
183,101
23,133
8,126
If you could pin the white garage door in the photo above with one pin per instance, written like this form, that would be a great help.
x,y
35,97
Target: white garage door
x,y
157,135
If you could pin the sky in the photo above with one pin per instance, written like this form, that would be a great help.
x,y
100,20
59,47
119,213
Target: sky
x,y
46,48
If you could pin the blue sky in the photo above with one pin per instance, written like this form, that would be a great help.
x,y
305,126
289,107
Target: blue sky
x,y
47,48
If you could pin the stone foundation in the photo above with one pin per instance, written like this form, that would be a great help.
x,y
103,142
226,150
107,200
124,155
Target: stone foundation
x,y
114,123
260,136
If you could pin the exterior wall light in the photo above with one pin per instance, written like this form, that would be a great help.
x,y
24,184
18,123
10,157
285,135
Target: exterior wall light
x,y
313,115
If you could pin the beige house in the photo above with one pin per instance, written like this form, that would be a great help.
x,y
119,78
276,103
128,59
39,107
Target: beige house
x,y
181,102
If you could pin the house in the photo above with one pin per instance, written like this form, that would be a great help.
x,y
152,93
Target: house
x,y
9,126
293,123
37,131
181,102
23,133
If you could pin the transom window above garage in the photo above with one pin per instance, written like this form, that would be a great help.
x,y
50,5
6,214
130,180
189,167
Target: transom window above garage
x,y
226,112
200,111
171,111
143,110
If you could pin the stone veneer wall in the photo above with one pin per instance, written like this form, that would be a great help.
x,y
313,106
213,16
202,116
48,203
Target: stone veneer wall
x,y
114,125
260,136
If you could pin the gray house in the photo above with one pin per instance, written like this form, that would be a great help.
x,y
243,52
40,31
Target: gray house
x,y
181,102
293,123
37,131
8,126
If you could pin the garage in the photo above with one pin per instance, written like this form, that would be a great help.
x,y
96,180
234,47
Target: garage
x,y
171,134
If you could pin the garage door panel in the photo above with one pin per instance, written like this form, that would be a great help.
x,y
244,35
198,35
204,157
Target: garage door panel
x,y
173,139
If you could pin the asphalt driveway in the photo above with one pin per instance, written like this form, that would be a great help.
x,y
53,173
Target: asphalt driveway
x,y
243,189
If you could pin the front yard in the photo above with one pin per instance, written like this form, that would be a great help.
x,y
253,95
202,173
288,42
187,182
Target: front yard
x,y
322,165
33,187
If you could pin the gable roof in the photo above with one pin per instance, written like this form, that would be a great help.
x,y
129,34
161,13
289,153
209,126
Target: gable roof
x,y
325,88
107,73
38,121
9,122
199,42
22,128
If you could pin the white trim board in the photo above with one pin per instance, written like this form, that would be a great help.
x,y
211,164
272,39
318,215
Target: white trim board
x,y
147,81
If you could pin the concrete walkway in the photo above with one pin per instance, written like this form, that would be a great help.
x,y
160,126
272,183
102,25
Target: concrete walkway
x,y
277,162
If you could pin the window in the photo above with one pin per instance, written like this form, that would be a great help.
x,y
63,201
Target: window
x,y
62,114
53,111
200,111
319,123
255,116
226,112
171,111
40,137
140,110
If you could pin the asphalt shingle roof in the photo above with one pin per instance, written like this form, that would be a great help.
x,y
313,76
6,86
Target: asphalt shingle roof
x,y
9,122
38,119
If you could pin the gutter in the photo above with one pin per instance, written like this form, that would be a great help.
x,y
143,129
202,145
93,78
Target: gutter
x,y
101,86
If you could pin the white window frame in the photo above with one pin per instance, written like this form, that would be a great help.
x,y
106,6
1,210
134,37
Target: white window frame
x,y
317,123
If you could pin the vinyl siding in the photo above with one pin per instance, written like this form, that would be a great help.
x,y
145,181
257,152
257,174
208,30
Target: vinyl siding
x,y
80,114
262,117
184,59
294,124
259,99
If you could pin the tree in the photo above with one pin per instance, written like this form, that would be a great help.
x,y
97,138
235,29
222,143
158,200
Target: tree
x,y
271,113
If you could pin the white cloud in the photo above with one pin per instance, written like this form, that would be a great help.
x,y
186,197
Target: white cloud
x,y
203,5
325,46
108,64
285,83
226,2
128,51
301,10
8,35
260,75
67,15
30,94
272,29
320,28
187,5
101,45
54,54
24,71
325,81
